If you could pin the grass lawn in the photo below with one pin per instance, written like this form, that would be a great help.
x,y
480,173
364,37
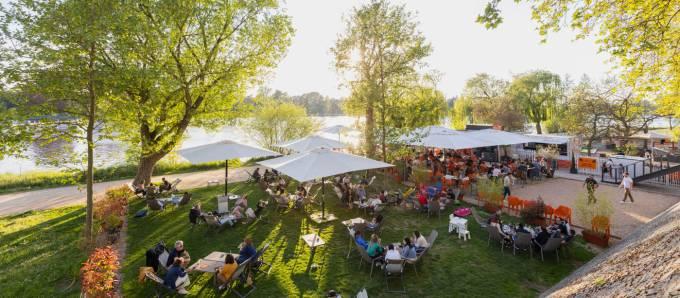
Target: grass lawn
x,y
39,253
451,268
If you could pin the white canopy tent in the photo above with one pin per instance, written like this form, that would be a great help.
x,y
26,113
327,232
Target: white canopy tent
x,y
549,139
312,142
223,150
321,163
442,137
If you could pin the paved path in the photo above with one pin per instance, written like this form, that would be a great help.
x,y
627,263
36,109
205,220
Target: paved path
x,y
626,218
69,195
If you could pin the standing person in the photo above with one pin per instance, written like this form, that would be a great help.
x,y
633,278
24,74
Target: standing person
x,y
591,185
507,181
627,184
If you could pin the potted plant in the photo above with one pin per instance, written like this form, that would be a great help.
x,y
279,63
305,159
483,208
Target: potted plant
x,y
533,214
490,194
598,214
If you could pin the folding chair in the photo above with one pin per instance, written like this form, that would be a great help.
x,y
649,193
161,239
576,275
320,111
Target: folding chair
x,y
394,269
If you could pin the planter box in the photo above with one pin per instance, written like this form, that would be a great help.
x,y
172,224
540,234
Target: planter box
x,y
598,239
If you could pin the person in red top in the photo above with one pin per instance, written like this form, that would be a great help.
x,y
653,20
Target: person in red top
x,y
422,199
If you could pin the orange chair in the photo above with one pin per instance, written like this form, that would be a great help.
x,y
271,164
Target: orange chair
x,y
514,203
548,213
563,212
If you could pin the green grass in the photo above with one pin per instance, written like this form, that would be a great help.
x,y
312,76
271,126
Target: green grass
x,y
39,253
451,268
10,183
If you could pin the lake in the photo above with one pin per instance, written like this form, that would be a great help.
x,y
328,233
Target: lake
x,y
110,152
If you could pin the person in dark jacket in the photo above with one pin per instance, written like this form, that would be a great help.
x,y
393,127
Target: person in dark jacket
x,y
195,213
175,275
179,252
247,250
542,237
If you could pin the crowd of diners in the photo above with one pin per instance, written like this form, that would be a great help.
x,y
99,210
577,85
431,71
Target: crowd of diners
x,y
539,234
176,276
408,248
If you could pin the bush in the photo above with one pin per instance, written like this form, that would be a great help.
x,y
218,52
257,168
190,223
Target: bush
x,y
533,214
110,210
490,191
586,212
420,176
99,273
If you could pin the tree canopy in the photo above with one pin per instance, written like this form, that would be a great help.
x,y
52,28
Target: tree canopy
x,y
275,121
537,93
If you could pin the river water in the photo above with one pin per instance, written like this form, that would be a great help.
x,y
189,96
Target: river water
x,y
110,152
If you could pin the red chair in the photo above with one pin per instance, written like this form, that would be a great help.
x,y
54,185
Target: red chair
x,y
549,213
563,212
514,203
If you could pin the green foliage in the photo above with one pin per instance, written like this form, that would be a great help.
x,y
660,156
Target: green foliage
x,y
538,93
629,149
585,212
420,175
380,54
314,103
490,190
461,113
491,103
41,250
586,111
274,122
641,36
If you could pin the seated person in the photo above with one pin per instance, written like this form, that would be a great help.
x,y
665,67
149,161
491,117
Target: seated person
x,y
498,225
224,274
359,239
361,193
408,251
151,190
422,199
186,197
242,201
301,190
178,252
374,204
280,190
375,222
522,229
165,185
419,241
542,237
346,180
267,176
375,249
139,189
195,213
260,206
256,175
247,250
282,182
392,253
176,278
383,196
564,228
237,212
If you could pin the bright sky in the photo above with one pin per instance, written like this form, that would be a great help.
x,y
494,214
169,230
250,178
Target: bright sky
x,y
462,47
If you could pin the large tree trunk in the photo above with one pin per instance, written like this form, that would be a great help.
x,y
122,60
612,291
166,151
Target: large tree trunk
x,y
145,168
538,128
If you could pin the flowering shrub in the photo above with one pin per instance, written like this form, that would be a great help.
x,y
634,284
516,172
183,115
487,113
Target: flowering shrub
x,y
110,210
99,273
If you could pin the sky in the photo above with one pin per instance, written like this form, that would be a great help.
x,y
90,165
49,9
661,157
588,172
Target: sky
x,y
461,47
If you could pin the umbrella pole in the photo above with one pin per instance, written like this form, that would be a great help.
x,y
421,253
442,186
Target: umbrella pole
x,y
323,197
226,176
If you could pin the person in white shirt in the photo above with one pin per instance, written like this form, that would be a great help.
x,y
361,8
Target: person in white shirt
x,y
419,241
627,185
392,253
496,172
507,181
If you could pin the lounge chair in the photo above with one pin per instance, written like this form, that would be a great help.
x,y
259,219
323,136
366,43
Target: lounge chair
x,y
238,278
350,232
523,242
211,221
173,185
366,258
394,269
553,244
159,286
258,263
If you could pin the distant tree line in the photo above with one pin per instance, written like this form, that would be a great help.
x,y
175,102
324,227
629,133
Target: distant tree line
x,y
314,102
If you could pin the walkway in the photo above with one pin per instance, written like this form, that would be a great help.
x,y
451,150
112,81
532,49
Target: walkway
x,y
70,195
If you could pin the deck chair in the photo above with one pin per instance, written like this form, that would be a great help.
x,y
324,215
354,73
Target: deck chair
x,y
159,286
366,258
432,238
523,242
163,260
238,278
553,244
258,264
495,236
394,269
173,185
154,205
212,222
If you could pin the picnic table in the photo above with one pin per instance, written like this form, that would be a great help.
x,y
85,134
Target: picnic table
x,y
172,199
353,221
211,262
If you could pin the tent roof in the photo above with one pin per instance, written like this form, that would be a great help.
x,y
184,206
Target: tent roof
x,y
549,139
441,137
319,163
223,150
312,142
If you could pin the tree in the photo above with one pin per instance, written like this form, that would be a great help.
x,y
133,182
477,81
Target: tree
x,y
537,93
491,103
587,111
628,114
461,113
188,63
274,122
52,56
380,51
643,37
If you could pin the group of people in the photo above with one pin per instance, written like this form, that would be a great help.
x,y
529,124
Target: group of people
x,y
150,189
268,176
177,278
539,234
407,249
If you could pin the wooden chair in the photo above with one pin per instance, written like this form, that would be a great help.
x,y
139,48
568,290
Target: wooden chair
x,y
563,212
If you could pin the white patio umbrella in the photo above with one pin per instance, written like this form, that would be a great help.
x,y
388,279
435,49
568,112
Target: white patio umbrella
x,y
321,163
311,142
223,150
